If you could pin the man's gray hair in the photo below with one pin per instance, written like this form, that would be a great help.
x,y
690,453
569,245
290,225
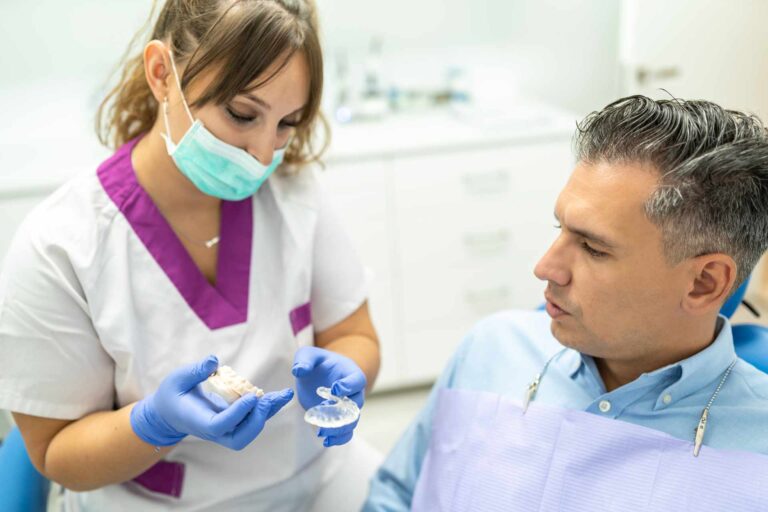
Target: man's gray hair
x,y
712,194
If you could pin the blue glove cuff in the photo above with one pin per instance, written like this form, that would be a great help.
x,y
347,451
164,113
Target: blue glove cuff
x,y
150,427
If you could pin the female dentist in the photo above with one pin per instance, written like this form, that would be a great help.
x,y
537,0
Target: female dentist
x,y
126,288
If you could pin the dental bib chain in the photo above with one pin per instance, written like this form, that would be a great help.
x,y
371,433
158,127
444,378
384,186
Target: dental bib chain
x,y
702,426
530,394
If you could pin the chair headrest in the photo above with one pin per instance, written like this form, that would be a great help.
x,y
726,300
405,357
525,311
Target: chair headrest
x,y
751,344
733,302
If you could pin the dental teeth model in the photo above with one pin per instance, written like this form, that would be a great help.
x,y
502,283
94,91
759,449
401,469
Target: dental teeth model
x,y
226,383
341,411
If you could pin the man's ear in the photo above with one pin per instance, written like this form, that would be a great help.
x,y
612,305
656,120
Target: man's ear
x,y
713,276
157,69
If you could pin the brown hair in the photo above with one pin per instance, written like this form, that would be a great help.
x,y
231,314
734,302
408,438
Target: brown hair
x,y
245,37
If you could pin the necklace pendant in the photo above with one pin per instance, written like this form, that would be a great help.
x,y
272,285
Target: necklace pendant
x,y
210,243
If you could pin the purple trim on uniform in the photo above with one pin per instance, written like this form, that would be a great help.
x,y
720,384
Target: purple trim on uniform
x,y
164,478
301,317
217,306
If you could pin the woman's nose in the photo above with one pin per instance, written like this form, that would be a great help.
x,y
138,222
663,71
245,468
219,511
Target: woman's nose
x,y
262,152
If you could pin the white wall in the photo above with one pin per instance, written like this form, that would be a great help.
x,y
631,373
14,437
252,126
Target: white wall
x,y
48,39
561,51
55,61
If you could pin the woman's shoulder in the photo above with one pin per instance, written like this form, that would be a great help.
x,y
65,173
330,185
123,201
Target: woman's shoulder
x,y
297,186
69,220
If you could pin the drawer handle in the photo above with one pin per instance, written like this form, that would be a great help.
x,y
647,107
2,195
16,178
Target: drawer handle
x,y
489,299
488,243
486,183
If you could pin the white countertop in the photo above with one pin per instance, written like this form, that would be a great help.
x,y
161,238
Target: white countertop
x,y
446,130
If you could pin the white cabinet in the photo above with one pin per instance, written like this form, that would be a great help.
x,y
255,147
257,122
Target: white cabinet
x,y
361,195
471,226
451,237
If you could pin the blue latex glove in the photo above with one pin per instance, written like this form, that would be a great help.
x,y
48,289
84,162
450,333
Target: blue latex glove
x,y
179,408
314,367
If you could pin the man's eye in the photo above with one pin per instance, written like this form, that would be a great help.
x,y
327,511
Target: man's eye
x,y
558,226
239,118
592,251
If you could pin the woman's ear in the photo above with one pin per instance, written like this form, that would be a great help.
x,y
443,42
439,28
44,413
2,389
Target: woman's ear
x,y
714,276
157,69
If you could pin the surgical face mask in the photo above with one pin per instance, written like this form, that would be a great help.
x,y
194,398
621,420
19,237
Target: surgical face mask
x,y
213,166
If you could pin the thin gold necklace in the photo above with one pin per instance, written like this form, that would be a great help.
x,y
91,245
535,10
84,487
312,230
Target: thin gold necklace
x,y
209,244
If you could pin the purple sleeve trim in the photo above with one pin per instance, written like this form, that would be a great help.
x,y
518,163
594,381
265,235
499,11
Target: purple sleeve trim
x,y
301,318
164,478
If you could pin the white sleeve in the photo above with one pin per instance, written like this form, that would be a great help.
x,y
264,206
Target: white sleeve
x,y
339,282
51,361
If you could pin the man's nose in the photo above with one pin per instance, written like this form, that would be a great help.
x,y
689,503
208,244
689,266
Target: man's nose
x,y
553,266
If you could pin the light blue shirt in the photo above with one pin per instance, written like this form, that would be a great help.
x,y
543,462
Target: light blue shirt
x,y
504,352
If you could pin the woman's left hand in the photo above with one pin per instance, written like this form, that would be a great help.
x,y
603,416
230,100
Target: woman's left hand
x,y
314,367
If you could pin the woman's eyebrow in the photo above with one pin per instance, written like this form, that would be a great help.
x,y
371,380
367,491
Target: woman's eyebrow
x,y
258,100
266,105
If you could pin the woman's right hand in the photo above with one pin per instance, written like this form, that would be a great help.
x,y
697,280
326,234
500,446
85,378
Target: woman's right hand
x,y
179,408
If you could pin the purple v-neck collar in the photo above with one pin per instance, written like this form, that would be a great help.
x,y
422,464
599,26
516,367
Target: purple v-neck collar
x,y
217,306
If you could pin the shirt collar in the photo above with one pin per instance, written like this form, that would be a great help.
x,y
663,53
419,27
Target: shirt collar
x,y
703,368
689,375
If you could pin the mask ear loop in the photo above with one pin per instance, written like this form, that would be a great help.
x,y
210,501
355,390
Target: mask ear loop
x,y
167,136
178,83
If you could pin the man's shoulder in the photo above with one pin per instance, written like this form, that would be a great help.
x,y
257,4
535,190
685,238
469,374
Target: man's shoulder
x,y
504,348
517,329
754,380
740,412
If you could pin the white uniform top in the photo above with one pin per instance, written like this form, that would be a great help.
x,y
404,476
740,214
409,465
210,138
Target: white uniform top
x,y
99,301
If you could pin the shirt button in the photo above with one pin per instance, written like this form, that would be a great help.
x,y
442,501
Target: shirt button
x,y
667,399
604,405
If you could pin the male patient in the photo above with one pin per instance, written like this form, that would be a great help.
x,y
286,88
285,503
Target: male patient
x,y
664,215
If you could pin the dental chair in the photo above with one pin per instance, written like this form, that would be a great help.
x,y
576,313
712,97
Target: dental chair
x,y
24,489
750,340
